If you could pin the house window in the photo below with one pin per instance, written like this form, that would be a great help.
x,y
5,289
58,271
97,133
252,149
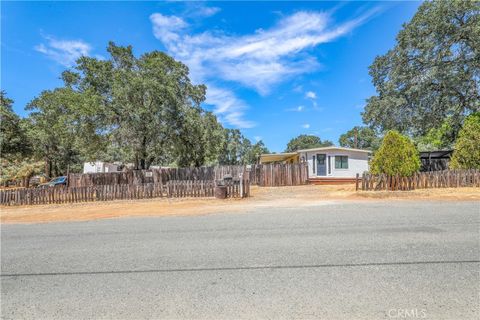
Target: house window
x,y
341,162
313,164
329,165
321,159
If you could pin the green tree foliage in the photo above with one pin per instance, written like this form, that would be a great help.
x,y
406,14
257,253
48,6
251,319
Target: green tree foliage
x,y
396,155
467,147
8,171
305,141
14,143
63,129
432,73
213,137
20,170
437,138
134,109
236,148
255,151
201,139
366,139
145,104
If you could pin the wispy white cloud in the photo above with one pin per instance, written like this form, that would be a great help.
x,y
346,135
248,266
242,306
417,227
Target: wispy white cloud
x,y
296,109
227,106
206,11
257,138
258,61
64,52
311,95
166,28
306,125
198,9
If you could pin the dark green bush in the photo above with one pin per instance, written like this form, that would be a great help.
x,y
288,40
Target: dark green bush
x,y
396,155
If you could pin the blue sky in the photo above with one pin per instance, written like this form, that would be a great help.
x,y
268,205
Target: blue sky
x,y
273,69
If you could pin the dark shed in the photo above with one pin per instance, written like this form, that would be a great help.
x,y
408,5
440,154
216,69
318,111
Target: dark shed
x,y
435,160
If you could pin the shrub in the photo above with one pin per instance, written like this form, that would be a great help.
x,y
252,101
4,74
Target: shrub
x,y
396,155
466,154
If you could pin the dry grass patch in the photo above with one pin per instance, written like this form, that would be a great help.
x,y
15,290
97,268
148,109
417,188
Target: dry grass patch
x,y
262,197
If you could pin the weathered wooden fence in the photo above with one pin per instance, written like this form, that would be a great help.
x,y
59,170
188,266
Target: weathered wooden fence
x,y
162,175
274,175
420,180
172,189
260,174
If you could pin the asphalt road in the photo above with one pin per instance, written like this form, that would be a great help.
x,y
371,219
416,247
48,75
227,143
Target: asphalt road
x,y
368,260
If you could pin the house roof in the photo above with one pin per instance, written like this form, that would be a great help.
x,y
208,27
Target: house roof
x,y
437,154
335,148
273,157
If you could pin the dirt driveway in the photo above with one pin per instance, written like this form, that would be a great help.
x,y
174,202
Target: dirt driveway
x,y
261,197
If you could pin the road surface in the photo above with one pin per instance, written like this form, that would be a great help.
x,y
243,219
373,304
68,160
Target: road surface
x,y
332,260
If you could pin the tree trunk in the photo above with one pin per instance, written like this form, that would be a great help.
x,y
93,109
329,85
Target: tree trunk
x,y
48,168
149,163
26,182
136,162
143,153
57,170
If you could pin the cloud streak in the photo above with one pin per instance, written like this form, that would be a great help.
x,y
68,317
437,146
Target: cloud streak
x,y
64,52
258,61
296,109
205,11
311,95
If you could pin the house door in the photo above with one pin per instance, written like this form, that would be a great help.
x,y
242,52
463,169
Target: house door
x,y
321,164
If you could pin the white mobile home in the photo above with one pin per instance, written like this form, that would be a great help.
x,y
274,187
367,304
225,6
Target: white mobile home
x,y
334,163
326,164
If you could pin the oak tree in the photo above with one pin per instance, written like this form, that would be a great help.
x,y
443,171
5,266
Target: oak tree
x,y
431,74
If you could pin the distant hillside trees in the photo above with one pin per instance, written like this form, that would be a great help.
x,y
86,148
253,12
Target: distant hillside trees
x,y
305,141
431,78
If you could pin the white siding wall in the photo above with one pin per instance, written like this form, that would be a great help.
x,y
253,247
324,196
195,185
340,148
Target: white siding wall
x,y
89,167
110,167
99,167
357,163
